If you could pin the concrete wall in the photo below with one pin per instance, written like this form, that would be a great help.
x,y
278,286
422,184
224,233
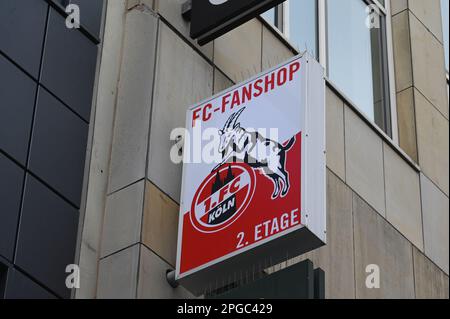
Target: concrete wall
x,y
422,99
386,205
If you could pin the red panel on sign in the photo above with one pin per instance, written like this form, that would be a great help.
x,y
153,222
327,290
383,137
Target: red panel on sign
x,y
252,213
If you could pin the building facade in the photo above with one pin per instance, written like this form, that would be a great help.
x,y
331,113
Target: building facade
x,y
134,62
47,78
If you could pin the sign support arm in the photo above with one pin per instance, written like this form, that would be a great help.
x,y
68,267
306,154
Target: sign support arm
x,y
170,276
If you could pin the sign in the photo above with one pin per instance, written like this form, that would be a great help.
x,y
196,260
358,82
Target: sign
x,y
261,200
213,18
299,281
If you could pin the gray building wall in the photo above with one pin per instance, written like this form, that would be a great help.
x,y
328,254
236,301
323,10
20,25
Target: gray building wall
x,y
387,203
47,75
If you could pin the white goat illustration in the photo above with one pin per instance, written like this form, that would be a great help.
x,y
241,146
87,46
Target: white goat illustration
x,y
240,145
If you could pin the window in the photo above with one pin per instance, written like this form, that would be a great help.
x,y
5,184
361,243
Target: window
x,y
297,20
269,16
357,56
350,39
302,25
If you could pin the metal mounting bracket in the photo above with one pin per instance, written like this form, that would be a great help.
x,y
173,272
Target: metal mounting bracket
x,y
170,276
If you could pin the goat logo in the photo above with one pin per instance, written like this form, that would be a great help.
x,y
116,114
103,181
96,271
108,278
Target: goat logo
x,y
240,145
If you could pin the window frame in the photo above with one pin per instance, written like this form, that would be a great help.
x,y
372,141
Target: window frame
x,y
282,27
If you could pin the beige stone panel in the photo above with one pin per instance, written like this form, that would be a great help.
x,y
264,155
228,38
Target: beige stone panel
x,y
435,223
171,11
429,13
336,258
101,149
402,51
160,224
152,279
128,158
430,281
433,142
335,134
403,207
118,275
238,53
398,6
364,161
378,243
407,123
122,222
175,91
221,81
274,51
428,66
134,3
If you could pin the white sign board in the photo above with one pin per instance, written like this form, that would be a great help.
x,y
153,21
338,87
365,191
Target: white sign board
x,y
253,192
